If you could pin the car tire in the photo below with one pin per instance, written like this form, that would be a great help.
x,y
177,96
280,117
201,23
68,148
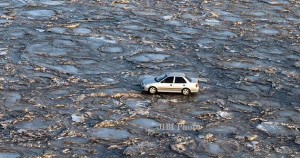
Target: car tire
x,y
152,90
185,91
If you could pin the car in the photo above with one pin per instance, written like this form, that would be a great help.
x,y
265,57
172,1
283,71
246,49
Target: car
x,y
171,82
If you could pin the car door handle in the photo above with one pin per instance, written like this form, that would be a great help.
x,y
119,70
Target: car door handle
x,y
183,85
170,84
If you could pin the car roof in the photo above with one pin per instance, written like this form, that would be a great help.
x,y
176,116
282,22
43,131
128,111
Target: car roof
x,y
176,74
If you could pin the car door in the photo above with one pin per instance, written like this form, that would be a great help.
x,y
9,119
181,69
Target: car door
x,y
166,85
179,84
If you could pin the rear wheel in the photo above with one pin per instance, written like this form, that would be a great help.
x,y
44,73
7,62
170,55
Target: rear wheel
x,y
185,91
152,90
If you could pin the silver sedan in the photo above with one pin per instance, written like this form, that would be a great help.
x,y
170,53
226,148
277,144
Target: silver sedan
x,y
171,82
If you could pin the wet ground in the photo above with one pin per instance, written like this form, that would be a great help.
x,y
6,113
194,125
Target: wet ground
x,y
70,73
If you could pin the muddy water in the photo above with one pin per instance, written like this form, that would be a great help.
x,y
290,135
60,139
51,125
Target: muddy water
x,y
70,73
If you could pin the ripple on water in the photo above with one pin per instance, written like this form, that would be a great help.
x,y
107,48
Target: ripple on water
x,y
135,104
82,31
39,13
190,16
70,140
112,49
12,98
9,155
4,21
293,115
233,19
87,62
211,22
61,42
273,128
205,41
149,57
50,2
223,35
269,31
61,68
214,148
244,108
174,23
145,123
34,124
202,112
205,97
222,130
238,65
147,13
45,49
101,40
272,2
58,93
276,51
188,30
257,13
224,13
134,27
59,30
110,133
4,4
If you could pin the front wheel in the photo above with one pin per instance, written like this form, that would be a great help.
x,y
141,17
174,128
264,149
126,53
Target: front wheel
x,y
152,90
185,91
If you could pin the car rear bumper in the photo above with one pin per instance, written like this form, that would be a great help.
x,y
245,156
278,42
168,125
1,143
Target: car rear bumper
x,y
194,90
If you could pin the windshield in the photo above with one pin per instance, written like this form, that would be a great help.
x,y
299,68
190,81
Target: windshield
x,y
159,78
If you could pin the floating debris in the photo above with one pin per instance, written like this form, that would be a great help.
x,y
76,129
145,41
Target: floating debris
x,y
224,114
182,144
251,137
121,1
77,118
284,150
141,148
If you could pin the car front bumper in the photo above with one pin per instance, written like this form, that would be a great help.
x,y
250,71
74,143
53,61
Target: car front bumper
x,y
144,87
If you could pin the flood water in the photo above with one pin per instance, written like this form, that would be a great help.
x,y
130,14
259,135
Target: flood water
x,y
71,73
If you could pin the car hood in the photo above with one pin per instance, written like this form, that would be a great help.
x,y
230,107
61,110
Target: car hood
x,y
149,80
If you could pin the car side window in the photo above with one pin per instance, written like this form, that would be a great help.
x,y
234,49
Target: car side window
x,y
180,80
168,80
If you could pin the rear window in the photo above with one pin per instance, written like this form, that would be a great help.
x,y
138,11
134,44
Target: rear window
x,y
188,78
180,80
